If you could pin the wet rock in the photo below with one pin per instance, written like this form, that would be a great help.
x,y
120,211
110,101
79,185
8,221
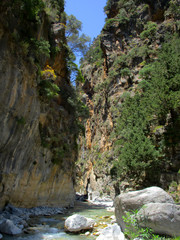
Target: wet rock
x,y
8,227
77,223
162,218
53,230
25,213
112,232
134,200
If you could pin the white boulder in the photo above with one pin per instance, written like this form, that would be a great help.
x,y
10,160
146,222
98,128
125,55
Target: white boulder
x,y
77,223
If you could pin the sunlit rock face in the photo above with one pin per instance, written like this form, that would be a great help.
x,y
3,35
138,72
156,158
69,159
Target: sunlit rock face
x,y
124,45
33,130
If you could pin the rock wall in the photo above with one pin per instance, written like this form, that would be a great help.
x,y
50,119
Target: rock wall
x,y
124,49
37,144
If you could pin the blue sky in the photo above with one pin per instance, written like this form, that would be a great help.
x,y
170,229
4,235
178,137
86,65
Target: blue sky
x,y
90,13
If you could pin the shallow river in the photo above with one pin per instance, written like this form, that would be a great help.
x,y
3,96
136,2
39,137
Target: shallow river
x,y
52,228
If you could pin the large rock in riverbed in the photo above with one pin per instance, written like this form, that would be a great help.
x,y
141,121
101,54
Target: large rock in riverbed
x,y
162,218
8,227
134,200
77,223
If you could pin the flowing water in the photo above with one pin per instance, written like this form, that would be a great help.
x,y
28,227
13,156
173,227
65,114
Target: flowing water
x,y
52,228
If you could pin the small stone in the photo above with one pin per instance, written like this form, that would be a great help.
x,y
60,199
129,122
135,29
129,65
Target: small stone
x,y
87,233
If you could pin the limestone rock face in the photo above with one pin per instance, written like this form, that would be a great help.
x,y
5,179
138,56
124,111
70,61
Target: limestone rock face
x,y
134,200
121,47
37,144
162,218
77,223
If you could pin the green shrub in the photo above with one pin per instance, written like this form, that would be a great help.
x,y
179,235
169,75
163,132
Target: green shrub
x,y
122,16
126,72
108,5
149,30
95,53
47,88
174,10
41,47
133,229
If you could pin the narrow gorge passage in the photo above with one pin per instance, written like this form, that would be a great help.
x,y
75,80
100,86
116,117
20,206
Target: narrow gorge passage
x,y
90,111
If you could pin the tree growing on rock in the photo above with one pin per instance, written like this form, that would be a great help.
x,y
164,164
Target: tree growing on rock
x,y
146,131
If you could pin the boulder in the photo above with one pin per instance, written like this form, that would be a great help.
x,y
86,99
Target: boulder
x,y
8,227
134,200
77,223
162,218
112,232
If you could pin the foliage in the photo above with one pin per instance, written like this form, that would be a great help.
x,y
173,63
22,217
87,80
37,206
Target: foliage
x,y
76,74
136,150
126,72
29,9
133,229
94,53
156,101
77,43
48,73
122,5
81,110
54,9
108,5
149,30
174,10
47,88
41,47
122,16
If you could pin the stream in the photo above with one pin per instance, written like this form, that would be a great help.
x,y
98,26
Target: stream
x,y
52,227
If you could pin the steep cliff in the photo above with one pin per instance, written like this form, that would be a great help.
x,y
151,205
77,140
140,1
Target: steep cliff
x,y
38,126
133,33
